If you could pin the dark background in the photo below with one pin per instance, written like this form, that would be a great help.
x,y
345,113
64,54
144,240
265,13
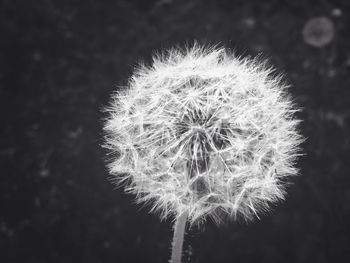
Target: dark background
x,y
60,61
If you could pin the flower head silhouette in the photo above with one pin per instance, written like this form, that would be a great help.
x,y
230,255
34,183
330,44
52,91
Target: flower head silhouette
x,y
204,132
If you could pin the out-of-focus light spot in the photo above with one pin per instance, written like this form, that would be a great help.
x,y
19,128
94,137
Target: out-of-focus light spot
x,y
106,244
249,22
318,32
37,55
74,134
338,118
336,12
44,173
331,73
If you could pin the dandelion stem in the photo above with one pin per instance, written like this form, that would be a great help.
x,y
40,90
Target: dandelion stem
x,y
178,239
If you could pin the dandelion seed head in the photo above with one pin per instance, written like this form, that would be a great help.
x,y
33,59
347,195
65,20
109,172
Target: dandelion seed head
x,y
203,131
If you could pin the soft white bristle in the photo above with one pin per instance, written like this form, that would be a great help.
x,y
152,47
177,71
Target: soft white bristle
x,y
206,132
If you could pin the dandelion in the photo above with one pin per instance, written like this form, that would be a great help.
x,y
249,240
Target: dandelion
x,y
202,133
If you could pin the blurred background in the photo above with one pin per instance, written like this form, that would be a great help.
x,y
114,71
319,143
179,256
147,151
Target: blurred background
x,y
61,60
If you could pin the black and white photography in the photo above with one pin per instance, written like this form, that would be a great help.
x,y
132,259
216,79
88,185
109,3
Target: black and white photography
x,y
175,131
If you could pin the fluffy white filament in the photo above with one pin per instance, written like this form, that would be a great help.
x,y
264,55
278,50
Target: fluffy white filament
x,y
204,132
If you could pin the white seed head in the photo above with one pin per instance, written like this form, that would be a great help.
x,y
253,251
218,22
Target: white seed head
x,y
202,131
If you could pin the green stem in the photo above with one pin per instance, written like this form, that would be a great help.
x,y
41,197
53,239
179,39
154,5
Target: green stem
x,y
178,239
